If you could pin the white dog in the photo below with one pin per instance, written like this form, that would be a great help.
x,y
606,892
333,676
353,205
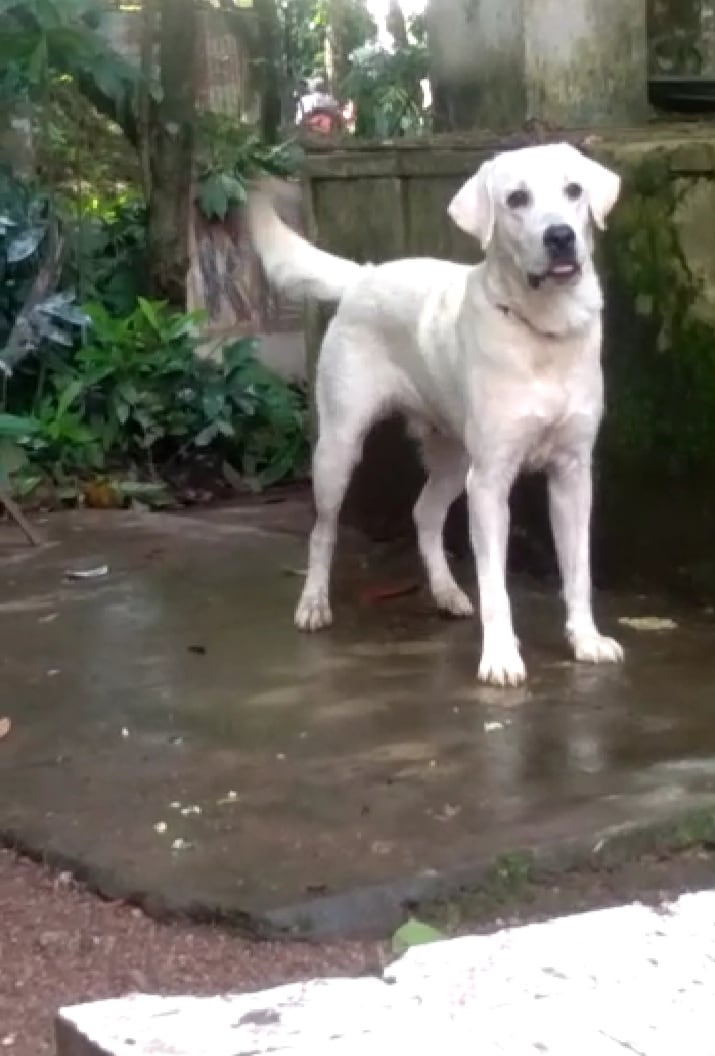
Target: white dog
x,y
496,368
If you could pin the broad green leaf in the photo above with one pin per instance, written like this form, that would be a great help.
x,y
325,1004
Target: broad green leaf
x,y
151,313
213,198
414,933
68,395
17,425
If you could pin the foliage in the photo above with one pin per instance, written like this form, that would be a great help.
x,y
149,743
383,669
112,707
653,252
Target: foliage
x,y
80,154
386,88
230,155
106,251
135,398
41,36
305,25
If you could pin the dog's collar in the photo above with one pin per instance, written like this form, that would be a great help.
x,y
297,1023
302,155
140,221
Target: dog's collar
x,y
550,334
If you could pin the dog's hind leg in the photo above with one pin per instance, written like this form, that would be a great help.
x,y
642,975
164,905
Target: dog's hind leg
x,y
446,463
337,452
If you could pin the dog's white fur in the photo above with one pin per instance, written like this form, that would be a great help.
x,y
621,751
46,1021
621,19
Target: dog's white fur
x,y
495,371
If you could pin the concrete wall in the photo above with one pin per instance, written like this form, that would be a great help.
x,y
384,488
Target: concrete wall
x,y
657,454
499,63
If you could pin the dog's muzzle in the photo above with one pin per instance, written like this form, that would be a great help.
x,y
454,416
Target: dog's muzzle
x,y
560,246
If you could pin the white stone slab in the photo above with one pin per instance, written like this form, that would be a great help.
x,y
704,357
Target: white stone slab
x,y
607,983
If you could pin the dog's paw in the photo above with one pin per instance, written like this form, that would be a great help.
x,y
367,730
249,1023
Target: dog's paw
x,y
313,612
501,664
453,601
593,648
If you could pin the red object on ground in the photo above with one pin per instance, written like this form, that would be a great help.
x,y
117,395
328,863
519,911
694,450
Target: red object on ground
x,y
385,591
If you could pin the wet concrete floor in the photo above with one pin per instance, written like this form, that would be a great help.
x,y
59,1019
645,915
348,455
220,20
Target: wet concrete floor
x,y
175,740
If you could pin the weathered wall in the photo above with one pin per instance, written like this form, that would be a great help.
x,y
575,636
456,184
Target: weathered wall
x,y
499,63
585,63
656,457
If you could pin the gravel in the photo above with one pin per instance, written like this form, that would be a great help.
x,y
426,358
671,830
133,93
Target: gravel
x,y
61,945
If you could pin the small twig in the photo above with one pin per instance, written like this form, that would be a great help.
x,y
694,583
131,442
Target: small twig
x,y
19,518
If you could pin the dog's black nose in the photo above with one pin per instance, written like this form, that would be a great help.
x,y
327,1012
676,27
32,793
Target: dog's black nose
x,y
560,239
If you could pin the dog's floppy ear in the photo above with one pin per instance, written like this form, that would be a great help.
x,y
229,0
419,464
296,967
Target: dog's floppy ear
x,y
472,208
602,189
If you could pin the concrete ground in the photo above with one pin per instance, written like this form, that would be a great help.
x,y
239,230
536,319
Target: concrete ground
x,y
174,741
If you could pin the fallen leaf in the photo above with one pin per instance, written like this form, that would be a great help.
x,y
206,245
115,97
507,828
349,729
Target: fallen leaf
x,y
448,811
387,591
5,726
648,623
414,933
88,573
101,495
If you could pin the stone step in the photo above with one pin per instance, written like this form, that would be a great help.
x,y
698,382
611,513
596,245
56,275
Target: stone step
x,y
619,981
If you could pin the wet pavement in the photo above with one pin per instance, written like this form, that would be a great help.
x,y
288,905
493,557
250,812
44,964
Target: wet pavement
x,y
174,740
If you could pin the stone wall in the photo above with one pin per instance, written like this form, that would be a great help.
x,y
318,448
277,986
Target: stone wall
x,y
656,459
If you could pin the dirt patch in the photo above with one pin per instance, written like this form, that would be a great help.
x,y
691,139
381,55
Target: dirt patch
x,y
61,945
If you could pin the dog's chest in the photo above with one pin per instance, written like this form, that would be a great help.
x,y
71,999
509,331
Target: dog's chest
x,y
554,414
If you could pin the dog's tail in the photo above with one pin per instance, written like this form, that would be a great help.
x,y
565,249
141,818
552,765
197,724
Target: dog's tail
x,y
291,263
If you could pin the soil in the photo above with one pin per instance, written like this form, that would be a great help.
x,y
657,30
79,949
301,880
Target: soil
x,y
61,945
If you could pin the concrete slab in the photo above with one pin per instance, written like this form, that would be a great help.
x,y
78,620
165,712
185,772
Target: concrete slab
x,y
175,741
616,981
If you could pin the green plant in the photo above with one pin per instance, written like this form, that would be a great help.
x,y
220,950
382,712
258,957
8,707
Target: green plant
x,y
32,313
386,89
306,26
43,37
230,154
135,399
107,251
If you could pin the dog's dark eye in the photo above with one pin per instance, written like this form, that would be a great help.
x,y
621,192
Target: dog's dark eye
x,y
518,199
573,191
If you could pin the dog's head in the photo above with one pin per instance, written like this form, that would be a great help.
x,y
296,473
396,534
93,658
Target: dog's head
x,y
536,206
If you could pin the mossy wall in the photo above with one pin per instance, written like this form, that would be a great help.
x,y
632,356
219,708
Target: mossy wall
x,y
659,269
656,454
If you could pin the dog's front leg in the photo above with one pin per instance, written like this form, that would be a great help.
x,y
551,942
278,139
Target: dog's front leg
x,y
570,497
488,499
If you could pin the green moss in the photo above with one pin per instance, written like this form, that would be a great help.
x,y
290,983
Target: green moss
x,y
660,350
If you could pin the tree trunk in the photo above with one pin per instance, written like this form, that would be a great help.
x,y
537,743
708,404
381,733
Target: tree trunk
x,y
171,147
396,24
337,63
269,35
144,104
